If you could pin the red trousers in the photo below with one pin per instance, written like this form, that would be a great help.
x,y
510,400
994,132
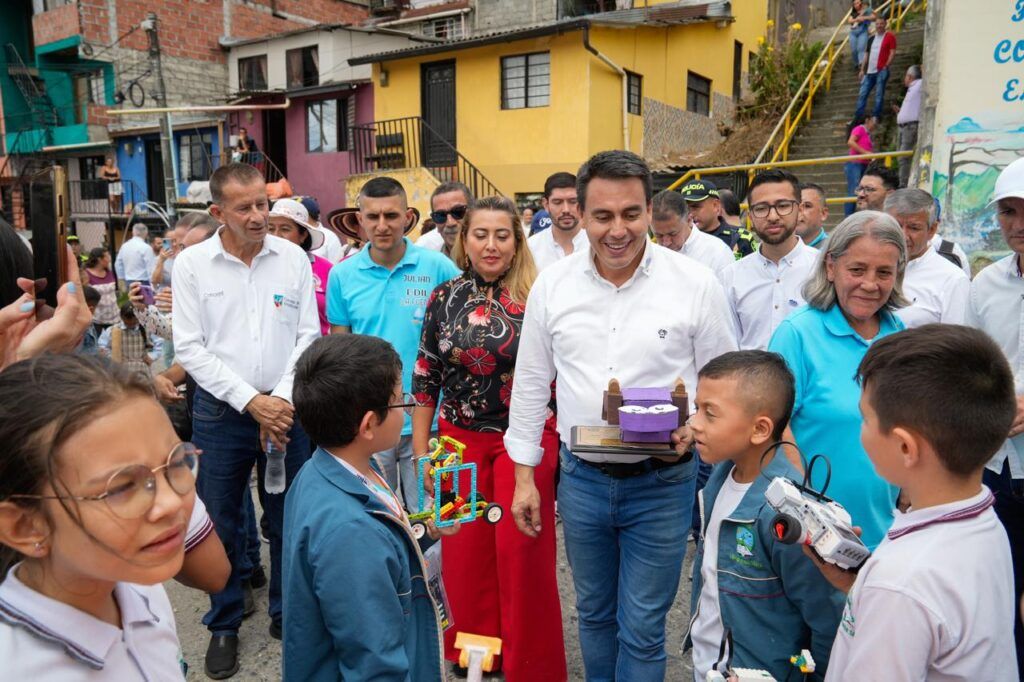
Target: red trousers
x,y
501,583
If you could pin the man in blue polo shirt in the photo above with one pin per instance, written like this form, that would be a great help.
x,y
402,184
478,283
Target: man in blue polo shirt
x,y
382,291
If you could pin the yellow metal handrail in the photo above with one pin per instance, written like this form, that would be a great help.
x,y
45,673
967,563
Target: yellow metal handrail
x,y
751,168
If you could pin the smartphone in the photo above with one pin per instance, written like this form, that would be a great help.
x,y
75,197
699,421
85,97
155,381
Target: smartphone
x,y
148,296
167,244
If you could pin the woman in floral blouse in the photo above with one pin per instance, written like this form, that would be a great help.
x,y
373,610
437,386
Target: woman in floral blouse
x,y
500,583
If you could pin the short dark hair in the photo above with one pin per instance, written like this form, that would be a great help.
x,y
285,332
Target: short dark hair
x,y
766,383
730,205
241,173
560,180
453,186
814,187
668,204
92,296
613,165
948,383
340,378
382,188
772,176
15,261
890,179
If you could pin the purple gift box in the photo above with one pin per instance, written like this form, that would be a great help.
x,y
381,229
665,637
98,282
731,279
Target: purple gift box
x,y
646,397
654,424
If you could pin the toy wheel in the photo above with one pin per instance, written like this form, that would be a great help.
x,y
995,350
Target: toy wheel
x,y
493,513
786,529
419,529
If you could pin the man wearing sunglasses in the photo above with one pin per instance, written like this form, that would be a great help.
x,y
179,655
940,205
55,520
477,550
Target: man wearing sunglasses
x,y
448,205
383,291
566,235
764,287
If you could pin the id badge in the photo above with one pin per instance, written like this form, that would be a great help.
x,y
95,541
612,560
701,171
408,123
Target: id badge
x,y
436,585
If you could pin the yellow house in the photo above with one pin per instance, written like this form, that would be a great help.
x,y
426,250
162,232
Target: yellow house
x,y
522,104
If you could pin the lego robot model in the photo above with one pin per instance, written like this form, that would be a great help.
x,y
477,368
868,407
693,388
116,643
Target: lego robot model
x,y
809,518
646,415
444,464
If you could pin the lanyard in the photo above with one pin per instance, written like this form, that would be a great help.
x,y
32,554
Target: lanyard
x,y
383,492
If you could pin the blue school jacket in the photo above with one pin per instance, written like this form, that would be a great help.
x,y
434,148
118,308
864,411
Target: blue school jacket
x,y
356,605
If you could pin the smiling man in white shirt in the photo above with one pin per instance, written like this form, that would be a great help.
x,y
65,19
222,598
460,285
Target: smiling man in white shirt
x,y
566,235
937,289
764,287
594,316
244,310
674,230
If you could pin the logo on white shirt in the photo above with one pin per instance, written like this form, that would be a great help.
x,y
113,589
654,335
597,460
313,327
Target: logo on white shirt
x,y
662,333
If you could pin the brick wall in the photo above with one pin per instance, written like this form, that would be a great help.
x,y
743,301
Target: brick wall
x,y
56,24
670,131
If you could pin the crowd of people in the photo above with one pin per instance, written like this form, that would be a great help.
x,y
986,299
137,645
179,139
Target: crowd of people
x,y
325,357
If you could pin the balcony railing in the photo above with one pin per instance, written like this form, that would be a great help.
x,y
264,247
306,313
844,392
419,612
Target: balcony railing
x,y
411,143
92,199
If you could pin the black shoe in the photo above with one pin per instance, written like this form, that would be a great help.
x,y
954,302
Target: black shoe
x,y
459,672
249,605
258,579
222,657
275,628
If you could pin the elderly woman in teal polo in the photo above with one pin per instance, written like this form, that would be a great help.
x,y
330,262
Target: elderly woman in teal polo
x,y
851,295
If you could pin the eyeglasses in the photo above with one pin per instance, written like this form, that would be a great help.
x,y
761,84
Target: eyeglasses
x,y
865,190
781,208
131,491
408,404
457,212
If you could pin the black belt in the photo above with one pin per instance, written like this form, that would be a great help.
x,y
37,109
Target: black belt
x,y
908,123
631,469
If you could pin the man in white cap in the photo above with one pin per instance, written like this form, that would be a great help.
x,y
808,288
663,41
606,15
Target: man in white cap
x,y
997,307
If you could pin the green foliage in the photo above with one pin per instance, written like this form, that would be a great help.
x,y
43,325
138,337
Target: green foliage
x,y
779,68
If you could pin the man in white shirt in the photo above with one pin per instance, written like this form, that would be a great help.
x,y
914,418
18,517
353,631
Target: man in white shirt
x,y
135,259
997,307
244,310
331,249
566,235
449,203
936,288
813,214
766,286
674,230
907,116
594,316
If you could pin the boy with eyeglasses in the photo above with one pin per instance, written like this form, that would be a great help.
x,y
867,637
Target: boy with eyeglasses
x,y
764,287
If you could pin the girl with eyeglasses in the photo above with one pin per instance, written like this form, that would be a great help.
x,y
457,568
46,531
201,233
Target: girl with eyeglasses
x,y
94,516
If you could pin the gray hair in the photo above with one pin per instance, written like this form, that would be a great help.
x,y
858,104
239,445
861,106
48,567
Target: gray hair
x,y
909,201
914,71
820,293
140,230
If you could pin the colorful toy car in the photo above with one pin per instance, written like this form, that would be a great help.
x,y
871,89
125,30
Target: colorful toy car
x,y
445,465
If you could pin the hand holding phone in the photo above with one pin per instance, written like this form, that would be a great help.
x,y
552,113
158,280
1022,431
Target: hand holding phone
x,y
148,296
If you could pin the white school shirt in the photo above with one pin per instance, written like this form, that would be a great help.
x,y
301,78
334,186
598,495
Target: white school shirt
x,y
707,628
331,249
937,290
708,250
958,251
996,306
583,328
238,330
135,260
546,251
199,526
934,602
762,293
45,639
431,240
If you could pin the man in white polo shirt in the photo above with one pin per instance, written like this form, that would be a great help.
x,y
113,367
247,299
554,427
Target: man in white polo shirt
x,y
766,286
594,316
566,235
244,310
674,230
937,289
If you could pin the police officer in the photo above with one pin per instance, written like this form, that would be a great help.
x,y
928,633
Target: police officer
x,y
706,213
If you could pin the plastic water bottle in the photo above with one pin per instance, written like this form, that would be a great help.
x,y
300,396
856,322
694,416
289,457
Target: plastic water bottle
x,y
273,475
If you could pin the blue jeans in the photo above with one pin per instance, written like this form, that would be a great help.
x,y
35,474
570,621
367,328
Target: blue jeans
x,y
231,445
876,81
854,172
625,540
858,42
251,556
397,466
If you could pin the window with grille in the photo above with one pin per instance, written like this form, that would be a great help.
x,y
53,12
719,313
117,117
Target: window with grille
x,y
302,67
526,81
195,156
445,28
698,94
252,74
635,84
327,125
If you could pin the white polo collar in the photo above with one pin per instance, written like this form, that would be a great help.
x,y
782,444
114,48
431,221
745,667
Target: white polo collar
x,y
270,245
646,261
912,520
789,258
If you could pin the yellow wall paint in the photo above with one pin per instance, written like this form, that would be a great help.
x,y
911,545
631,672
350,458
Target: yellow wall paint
x,y
419,184
518,149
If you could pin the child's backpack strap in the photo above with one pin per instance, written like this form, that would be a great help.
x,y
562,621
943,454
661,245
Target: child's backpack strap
x,y
116,344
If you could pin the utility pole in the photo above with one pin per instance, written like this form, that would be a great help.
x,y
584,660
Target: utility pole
x,y
166,136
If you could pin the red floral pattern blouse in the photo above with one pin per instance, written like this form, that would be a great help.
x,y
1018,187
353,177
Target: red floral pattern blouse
x,y
468,353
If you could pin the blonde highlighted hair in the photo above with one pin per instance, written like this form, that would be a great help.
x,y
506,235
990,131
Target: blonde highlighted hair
x,y
523,271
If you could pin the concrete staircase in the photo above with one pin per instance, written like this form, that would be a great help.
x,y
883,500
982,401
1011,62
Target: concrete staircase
x,y
825,134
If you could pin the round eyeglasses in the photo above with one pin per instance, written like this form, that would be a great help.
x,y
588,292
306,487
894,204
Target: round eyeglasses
x,y
131,491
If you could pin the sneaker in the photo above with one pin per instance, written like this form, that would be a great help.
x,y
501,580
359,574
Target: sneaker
x,y
275,628
222,657
258,579
249,604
